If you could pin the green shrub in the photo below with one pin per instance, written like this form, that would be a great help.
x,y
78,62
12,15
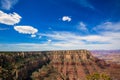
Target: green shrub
x,y
98,76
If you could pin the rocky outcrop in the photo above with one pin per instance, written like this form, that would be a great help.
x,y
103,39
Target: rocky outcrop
x,y
54,65
71,65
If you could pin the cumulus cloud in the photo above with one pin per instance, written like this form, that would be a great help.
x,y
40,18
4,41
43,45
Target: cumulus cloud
x,y
8,4
66,18
26,30
9,19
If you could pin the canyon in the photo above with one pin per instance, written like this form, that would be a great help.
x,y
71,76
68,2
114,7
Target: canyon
x,y
107,55
56,65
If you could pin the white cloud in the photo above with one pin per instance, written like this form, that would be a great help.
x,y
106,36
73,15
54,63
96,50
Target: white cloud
x,y
61,40
26,30
73,38
8,4
82,26
55,46
66,18
49,40
110,30
68,40
33,35
9,19
108,26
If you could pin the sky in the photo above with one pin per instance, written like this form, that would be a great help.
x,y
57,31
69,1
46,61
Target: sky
x,y
39,25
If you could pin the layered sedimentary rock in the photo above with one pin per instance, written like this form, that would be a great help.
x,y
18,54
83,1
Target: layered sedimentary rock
x,y
54,65
72,65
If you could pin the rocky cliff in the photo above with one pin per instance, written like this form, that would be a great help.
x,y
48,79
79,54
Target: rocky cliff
x,y
55,65
71,65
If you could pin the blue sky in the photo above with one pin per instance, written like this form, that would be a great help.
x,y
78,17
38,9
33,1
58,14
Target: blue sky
x,y
36,25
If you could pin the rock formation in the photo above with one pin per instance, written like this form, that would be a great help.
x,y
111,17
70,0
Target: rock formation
x,y
55,65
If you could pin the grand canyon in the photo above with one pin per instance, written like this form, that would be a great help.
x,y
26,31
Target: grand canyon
x,y
59,39
59,65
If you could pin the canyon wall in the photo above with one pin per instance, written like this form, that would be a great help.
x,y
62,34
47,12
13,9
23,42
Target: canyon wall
x,y
55,65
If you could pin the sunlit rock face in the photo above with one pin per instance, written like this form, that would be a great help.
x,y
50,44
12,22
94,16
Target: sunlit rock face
x,y
54,65
76,64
